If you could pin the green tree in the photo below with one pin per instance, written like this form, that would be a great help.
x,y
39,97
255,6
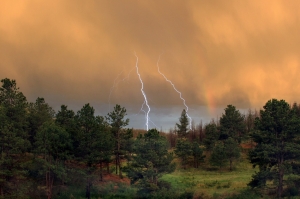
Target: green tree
x,y
86,122
53,145
127,143
150,162
277,144
183,125
103,143
232,124
197,153
117,122
13,139
39,113
212,134
65,118
218,157
232,151
183,150
95,142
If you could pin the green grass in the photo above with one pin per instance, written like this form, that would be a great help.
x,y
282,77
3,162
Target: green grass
x,y
211,182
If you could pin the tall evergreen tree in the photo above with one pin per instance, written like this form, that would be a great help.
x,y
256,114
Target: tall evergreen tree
x,y
103,143
87,124
13,139
197,153
232,124
95,142
150,162
183,125
65,118
117,122
212,134
277,145
183,150
218,157
53,144
39,113
232,151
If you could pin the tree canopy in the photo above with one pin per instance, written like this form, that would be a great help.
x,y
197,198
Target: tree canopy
x,y
277,149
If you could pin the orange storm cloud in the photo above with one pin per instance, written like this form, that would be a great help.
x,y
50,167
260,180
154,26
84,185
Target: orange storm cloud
x,y
215,52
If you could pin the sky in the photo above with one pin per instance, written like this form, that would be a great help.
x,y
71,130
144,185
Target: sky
x,y
215,52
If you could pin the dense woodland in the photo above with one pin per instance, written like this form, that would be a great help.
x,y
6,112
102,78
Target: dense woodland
x,y
63,154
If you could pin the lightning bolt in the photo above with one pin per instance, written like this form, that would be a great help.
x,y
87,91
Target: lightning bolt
x,y
142,90
112,88
142,109
180,95
116,84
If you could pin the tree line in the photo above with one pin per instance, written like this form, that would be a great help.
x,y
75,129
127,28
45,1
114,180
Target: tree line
x,y
42,151
274,137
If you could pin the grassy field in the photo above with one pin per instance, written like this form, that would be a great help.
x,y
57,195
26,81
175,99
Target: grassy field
x,y
211,182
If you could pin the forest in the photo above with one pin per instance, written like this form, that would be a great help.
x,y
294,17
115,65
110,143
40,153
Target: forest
x,y
63,154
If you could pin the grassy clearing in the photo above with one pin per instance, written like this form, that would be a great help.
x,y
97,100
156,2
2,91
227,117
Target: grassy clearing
x,y
211,182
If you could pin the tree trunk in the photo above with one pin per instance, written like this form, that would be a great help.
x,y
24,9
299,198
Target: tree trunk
x,y
280,185
116,163
101,173
119,163
230,168
1,191
88,189
281,172
118,157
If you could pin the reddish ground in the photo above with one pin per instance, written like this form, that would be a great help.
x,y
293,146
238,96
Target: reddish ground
x,y
248,145
115,178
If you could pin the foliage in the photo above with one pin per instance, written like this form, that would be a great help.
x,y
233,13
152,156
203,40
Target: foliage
x,y
150,162
13,142
66,119
94,141
117,122
53,145
183,125
102,145
183,150
224,151
232,150
39,113
277,145
232,124
197,153
218,157
212,134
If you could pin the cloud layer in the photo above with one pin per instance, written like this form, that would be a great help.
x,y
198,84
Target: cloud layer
x,y
216,52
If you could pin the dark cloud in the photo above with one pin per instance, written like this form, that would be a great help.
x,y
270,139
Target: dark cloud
x,y
216,53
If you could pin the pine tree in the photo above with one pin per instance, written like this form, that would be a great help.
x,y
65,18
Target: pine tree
x,y
53,144
117,122
13,139
103,144
232,151
218,157
183,150
150,162
183,125
232,124
86,122
277,145
197,153
212,135
39,113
